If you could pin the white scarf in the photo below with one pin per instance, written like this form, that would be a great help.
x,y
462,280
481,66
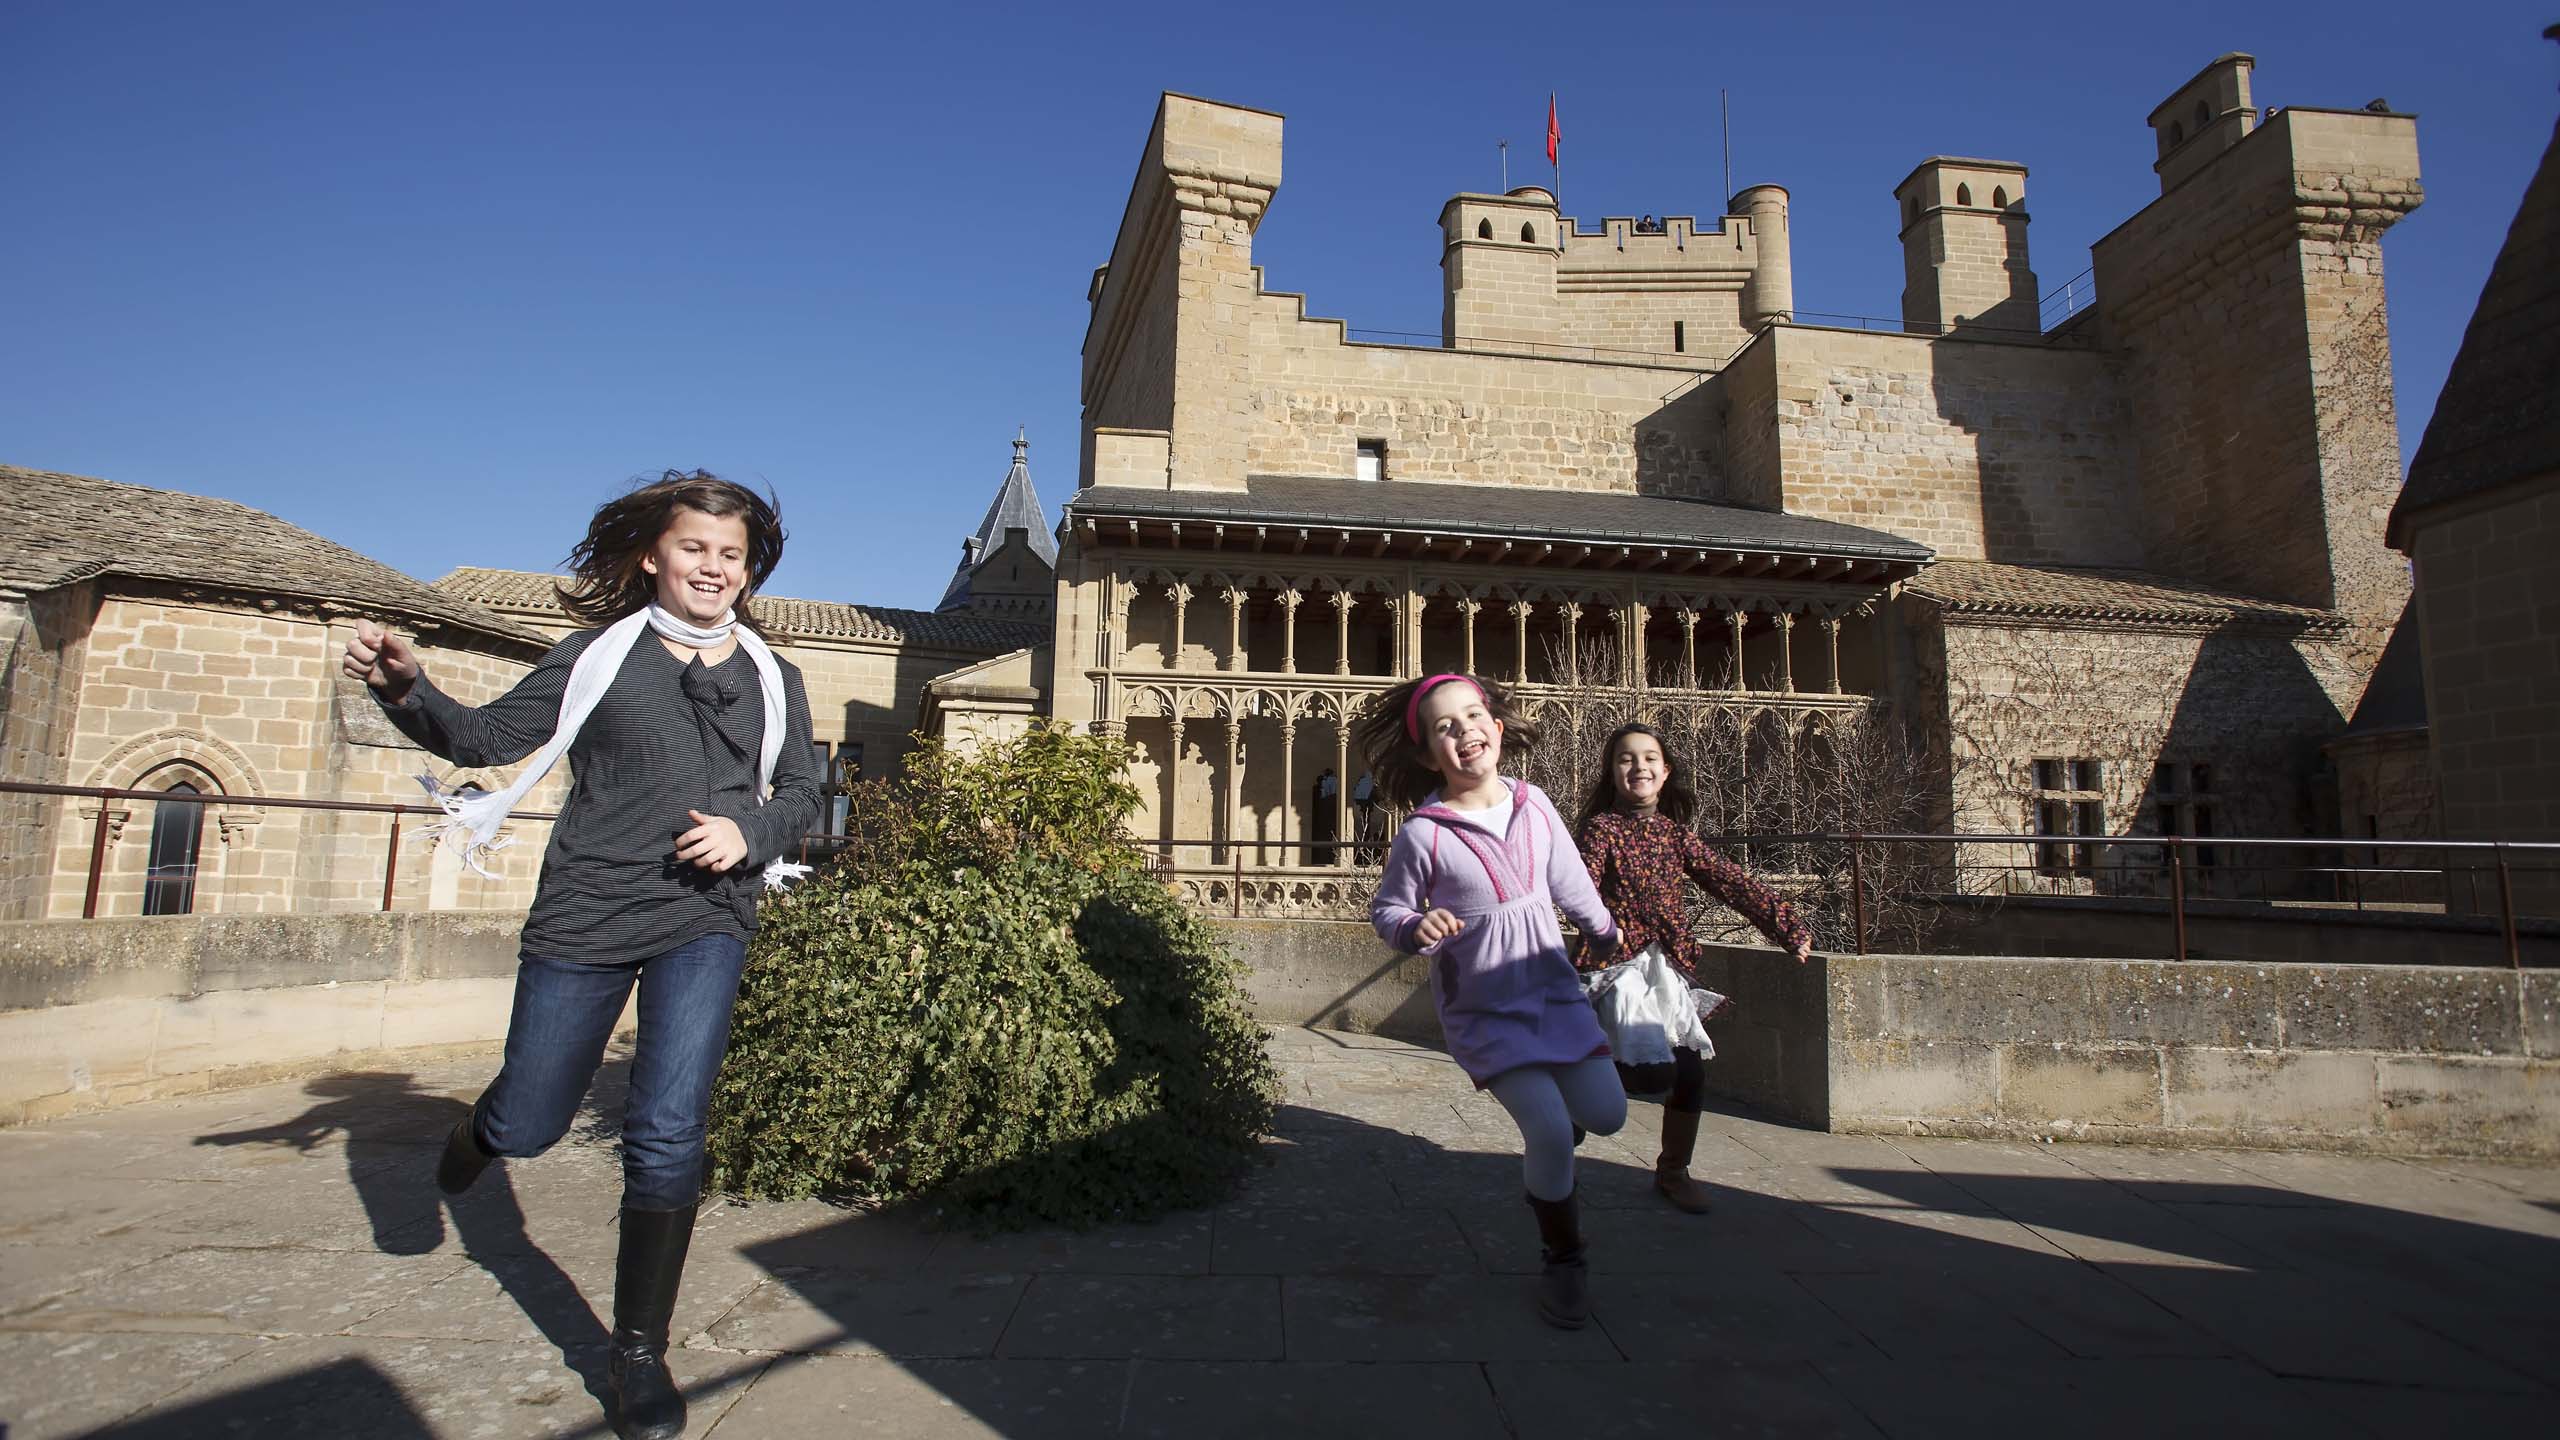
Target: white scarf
x,y
474,814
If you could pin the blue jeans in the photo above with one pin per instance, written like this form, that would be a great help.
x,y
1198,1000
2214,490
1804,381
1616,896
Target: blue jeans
x,y
563,1015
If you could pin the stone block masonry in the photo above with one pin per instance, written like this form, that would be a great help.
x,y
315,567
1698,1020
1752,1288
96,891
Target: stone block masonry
x,y
2380,1058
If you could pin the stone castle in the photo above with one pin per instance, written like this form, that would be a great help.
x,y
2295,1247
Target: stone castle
x,y
2127,569
2121,561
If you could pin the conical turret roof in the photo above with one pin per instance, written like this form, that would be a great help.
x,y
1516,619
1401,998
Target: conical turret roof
x,y
1016,507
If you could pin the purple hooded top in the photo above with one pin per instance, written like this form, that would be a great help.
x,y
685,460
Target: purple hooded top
x,y
1506,988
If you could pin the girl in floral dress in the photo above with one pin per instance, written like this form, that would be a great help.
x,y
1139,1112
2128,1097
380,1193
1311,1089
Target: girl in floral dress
x,y
1637,842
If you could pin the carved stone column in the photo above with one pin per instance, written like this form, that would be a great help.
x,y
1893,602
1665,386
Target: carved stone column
x,y
1180,595
1519,642
1288,792
1342,785
1786,651
1639,670
1570,611
1173,788
1342,603
1409,634
1231,803
1289,601
1688,648
1234,658
1734,621
1831,643
1467,624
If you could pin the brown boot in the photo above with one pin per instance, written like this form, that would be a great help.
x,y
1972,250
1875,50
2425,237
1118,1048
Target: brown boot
x,y
1564,1293
1671,1172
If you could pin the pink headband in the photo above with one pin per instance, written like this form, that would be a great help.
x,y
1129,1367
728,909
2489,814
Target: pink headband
x,y
1413,707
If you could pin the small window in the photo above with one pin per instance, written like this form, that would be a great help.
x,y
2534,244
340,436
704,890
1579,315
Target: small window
x,y
1484,229
177,836
2204,117
2049,775
2164,779
2177,134
1964,194
2088,775
1911,211
1679,337
2000,198
1372,463
1528,234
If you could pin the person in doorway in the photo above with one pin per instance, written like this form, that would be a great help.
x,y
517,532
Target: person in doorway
x,y
692,775
1368,821
1636,840
1473,881
1322,821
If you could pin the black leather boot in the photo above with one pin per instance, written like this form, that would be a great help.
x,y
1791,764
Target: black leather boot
x,y
463,1159
1564,1294
646,1405
1671,1171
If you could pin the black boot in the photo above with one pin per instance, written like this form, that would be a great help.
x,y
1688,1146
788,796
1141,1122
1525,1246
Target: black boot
x,y
463,1159
646,1405
1671,1171
1564,1296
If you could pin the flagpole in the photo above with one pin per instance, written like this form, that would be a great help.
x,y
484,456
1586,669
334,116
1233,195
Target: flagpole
x,y
1505,147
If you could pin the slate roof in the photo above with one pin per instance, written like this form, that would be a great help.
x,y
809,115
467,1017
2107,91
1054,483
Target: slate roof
x,y
2498,418
1016,506
65,528
530,593
1984,587
1504,511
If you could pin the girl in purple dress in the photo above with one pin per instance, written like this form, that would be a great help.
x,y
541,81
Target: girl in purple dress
x,y
1473,881
1637,842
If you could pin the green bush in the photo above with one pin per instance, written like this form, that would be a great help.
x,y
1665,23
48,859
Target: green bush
x,y
992,1003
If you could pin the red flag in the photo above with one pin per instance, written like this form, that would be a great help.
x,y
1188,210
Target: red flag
x,y
1553,134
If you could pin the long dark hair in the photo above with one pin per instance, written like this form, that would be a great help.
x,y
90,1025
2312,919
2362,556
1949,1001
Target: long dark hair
x,y
1395,758
605,579
1676,802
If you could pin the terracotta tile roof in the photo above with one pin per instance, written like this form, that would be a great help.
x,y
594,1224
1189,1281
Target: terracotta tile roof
x,y
73,527
524,592
1982,587
2498,420
1501,510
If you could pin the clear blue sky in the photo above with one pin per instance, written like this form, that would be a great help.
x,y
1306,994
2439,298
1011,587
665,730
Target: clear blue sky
x,y
433,280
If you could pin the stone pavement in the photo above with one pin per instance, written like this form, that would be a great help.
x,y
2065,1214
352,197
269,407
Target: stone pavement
x,y
276,1262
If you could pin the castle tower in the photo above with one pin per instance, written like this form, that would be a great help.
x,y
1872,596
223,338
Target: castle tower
x,y
1770,291
1964,247
1498,268
2206,116
1008,565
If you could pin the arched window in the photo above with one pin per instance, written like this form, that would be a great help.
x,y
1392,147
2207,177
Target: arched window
x,y
2000,198
1964,194
2204,117
2177,134
177,835
1528,234
1484,229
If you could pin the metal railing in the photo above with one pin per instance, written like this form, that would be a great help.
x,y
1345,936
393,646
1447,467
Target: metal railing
x,y
2077,294
2313,873
822,846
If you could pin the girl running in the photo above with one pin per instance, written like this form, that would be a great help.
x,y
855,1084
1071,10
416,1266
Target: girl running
x,y
1473,880
677,721
1638,844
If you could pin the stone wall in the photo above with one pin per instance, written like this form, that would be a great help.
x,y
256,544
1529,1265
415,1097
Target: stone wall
x,y
239,700
2253,704
1457,417
1980,450
2347,1057
99,1013
2248,303
2489,617
43,642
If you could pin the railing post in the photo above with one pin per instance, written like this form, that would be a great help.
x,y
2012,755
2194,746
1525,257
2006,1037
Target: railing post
x,y
2178,895
2507,908
1858,892
97,861
391,860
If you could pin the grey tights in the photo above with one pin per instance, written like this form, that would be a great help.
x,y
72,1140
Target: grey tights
x,y
1546,1102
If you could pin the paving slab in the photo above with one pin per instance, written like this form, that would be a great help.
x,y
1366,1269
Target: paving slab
x,y
276,1261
